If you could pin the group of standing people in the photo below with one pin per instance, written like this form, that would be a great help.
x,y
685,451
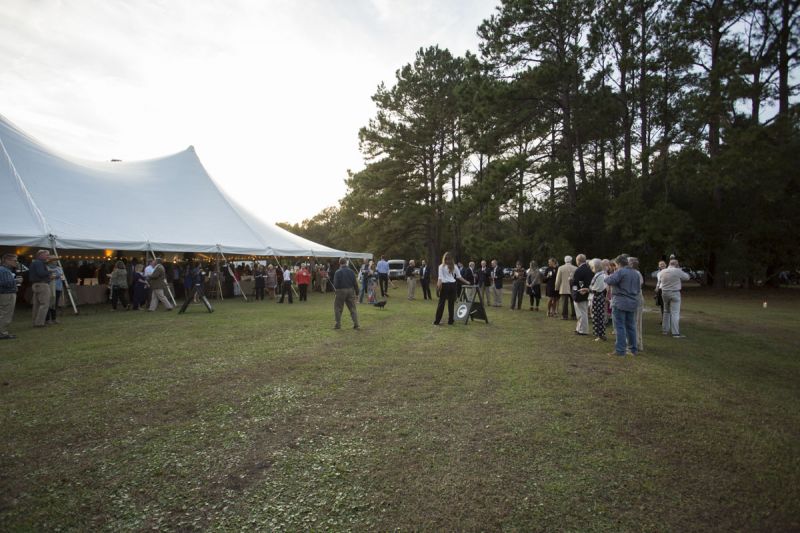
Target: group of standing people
x,y
596,291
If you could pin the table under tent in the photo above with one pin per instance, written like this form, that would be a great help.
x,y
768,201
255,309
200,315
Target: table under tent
x,y
168,205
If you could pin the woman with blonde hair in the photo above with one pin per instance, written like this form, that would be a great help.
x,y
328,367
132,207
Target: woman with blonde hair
x,y
597,299
447,287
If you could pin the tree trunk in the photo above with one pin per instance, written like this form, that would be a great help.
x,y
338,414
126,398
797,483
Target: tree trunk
x,y
787,11
568,154
643,91
714,122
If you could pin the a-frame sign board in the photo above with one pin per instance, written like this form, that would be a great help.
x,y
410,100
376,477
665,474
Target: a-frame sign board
x,y
470,305
198,292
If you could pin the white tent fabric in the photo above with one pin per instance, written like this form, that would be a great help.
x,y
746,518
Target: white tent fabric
x,y
92,205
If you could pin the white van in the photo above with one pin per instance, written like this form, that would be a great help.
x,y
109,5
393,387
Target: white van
x,y
397,268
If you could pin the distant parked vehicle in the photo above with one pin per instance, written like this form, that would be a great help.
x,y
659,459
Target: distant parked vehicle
x,y
397,268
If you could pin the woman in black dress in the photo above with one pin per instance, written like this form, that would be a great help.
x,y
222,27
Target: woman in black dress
x,y
550,286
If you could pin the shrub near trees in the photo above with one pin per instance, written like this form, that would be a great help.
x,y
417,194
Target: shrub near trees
x,y
642,125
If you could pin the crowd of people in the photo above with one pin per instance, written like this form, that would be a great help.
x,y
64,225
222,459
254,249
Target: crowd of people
x,y
594,293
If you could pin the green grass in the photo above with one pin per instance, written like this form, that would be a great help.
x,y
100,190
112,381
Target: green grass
x,y
261,416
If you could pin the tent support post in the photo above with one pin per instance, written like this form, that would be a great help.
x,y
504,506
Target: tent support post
x,y
169,291
63,277
230,271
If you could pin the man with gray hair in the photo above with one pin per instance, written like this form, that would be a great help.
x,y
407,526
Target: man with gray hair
x,y
346,286
624,300
39,276
581,280
564,288
670,280
158,283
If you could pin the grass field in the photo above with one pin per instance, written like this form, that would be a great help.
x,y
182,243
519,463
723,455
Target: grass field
x,y
261,416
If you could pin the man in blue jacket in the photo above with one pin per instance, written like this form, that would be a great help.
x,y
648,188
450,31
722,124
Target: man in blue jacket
x,y
624,300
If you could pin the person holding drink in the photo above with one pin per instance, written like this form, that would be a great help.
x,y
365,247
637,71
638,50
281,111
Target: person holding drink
x,y
9,283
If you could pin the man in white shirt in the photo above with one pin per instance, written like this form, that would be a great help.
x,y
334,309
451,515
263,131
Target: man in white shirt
x,y
382,268
669,280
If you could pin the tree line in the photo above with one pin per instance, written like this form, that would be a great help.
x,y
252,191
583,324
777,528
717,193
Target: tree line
x,y
647,126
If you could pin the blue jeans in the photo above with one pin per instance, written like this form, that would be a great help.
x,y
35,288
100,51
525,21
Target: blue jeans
x,y
625,326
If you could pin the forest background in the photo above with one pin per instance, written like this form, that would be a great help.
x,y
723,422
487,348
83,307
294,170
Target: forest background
x,y
652,127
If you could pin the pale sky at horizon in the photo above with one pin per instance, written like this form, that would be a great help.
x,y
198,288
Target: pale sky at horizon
x,y
271,94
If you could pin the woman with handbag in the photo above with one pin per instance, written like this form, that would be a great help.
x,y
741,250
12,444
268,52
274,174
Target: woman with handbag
x,y
597,297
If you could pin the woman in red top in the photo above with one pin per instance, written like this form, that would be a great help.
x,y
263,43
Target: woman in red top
x,y
303,279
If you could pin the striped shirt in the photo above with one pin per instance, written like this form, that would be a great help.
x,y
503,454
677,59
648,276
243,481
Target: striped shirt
x,y
8,281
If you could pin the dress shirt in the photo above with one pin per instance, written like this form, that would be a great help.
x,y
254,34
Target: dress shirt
x,y
382,267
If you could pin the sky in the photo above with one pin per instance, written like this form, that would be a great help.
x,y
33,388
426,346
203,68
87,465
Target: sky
x,y
270,93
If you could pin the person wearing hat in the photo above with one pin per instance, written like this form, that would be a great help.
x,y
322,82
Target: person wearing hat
x,y
56,288
39,276
9,282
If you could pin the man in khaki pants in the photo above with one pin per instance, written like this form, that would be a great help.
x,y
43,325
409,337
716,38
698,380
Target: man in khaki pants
x,y
8,293
39,276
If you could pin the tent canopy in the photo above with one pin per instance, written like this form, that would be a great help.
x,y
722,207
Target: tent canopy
x,y
96,204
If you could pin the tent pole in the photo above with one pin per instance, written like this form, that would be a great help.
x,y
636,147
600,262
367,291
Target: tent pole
x,y
169,291
230,271
218,277
63,277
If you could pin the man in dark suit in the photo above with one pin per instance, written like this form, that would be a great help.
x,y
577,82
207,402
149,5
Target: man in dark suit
x,y
484,281
469,273
581,280
497,281
425,280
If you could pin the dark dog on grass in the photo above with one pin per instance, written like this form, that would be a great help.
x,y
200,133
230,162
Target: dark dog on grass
x,y
380,304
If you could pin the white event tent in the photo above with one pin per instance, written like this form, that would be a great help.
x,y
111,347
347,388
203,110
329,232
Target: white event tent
x,y
168,204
